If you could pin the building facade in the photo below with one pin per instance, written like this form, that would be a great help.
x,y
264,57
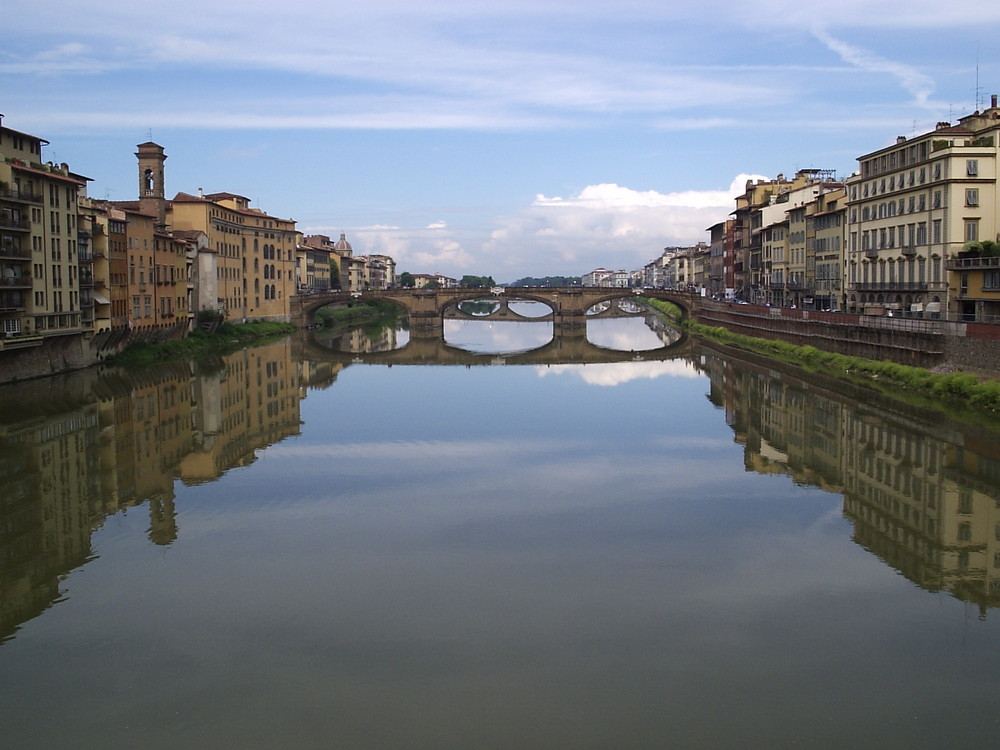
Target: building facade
x,y
913,209
43,253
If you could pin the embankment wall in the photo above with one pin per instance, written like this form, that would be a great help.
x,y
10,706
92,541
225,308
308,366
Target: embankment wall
x,y
910,341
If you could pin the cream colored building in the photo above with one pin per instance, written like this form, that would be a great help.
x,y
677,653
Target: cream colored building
x,y
912,207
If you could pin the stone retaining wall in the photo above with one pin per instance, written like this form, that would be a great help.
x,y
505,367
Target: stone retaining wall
x,y
922,343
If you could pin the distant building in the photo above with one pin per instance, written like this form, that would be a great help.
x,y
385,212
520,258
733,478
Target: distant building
x,y
425,280
317,265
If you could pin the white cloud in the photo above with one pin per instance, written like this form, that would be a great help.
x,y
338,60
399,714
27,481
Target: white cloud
x,y
602,225
916,83
605,225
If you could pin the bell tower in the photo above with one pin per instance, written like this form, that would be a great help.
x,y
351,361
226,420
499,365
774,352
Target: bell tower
x,y
151,184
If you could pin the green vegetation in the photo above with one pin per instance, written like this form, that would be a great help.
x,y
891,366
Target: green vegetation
x,y
957,389
476,282
406,280
984,249
226,338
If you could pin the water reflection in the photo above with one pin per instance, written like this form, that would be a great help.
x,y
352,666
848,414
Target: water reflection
x,y
379,337
445,542
496,338
922,494
618,373
505,337
120,439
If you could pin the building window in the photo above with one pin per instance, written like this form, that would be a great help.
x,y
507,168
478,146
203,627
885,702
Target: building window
x,y
972,230
972,167
972,197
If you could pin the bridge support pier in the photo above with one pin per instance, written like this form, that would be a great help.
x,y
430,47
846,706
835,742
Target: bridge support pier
x,y
569,324
426,326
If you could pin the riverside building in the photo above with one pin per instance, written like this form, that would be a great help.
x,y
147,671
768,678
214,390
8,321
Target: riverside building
x,y
43,253
915,210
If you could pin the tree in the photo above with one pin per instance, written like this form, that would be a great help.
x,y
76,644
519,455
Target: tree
x,y
334,274
476,282
406,280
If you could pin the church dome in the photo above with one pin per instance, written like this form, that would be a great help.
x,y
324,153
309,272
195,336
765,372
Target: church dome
x,y
342,245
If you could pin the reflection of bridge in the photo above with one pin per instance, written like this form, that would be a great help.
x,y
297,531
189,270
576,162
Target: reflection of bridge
x,y
426,308
564,348
501,310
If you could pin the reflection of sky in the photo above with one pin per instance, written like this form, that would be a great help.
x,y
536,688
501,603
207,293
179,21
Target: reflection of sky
x,y
496,337
504,337
622,372
623,334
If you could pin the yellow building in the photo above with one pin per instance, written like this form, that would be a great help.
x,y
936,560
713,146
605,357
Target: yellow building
x,y
42,256
254,253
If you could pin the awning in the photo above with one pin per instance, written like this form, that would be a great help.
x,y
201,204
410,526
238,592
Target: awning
x,y
101,299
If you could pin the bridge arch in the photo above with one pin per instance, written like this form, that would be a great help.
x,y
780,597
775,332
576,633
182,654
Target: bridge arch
x,y
427,306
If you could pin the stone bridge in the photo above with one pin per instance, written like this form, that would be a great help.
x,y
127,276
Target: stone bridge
x,y
426,308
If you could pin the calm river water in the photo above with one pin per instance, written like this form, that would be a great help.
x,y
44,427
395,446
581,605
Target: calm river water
x,y
291,547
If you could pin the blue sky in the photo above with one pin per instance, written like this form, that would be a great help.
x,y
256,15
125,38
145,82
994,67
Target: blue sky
x,y
504,138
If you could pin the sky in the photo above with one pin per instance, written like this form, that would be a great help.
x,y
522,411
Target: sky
x,y
503,138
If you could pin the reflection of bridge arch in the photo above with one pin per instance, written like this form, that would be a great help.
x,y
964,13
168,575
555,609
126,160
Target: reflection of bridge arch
x,y
561,349
426,307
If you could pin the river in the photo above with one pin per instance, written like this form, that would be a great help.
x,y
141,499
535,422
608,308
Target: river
x,y
683,548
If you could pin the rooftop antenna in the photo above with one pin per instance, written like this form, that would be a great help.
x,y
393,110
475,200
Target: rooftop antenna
x,y
979,92
149,134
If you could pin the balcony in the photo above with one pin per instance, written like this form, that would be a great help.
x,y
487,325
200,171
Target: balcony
x,y
908,250
871,252
16,282
14,251
15,222
9,193
972,264
11,302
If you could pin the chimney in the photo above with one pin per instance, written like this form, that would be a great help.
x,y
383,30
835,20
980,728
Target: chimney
x,y
993,102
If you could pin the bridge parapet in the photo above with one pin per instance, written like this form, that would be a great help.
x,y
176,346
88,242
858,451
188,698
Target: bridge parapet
x,y
569,305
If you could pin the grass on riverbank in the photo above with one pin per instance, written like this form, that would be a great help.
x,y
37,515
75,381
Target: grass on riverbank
x,y
226,338
957,388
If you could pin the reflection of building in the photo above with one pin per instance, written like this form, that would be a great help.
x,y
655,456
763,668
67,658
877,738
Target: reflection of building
x,y
924,498
116,440
49,474
248,404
